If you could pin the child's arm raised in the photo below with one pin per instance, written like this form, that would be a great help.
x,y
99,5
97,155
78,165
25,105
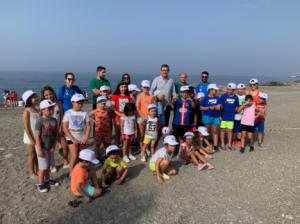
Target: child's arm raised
x,y
26,124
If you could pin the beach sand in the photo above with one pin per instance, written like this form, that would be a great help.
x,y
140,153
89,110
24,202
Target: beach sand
x,y
258,187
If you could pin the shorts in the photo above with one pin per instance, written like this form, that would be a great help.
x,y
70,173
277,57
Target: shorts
x,y
100,137
130,138
259,126
237,126
148,141
180,130
152,166
88,189
26,139
139,120
247,128
227,125
207,120
44,162
70,142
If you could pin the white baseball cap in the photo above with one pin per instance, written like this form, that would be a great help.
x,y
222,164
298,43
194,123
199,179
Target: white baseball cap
x,y
88,155
253,81
200,95
27,94
241,86
46,104
203,131
112,148
77,97
263,96
231,85
212,86
132,87
165,131
189,134
151,106
145,83
170,140
184,88
104,88
101,99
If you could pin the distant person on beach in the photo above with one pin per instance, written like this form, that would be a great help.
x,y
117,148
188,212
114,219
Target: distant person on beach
x,y
119,100
253,90
65,92
30,117
84,182
181,82
48,93
126,78
165,85
160,161
97,82
46,135
260,116
247,123
5,95
202,86
76,126
14,99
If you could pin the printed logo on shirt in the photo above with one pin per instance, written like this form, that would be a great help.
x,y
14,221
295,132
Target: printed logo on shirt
x,y
212,101
183,110
230,101
77,122
122,103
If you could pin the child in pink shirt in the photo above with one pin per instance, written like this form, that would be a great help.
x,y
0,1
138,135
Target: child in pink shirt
x,y
247,122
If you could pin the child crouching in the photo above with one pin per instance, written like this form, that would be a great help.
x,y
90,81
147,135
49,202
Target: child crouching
x,y
160,161
114,168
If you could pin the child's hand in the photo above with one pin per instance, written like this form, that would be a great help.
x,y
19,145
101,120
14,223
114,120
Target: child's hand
x,y
87,199
75,141
83,141
118,181
39,153
211,107
32,142
160,180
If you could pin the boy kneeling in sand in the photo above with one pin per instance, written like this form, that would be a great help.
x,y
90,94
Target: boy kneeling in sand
x,y
160,161
114,168
83,177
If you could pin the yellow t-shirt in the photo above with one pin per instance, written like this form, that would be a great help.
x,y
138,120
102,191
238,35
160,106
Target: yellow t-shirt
x,y
109,163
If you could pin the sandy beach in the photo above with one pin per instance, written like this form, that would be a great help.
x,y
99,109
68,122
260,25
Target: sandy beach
x,y
258,187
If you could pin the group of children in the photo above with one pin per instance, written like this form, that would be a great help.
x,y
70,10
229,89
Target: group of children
x,y
136,118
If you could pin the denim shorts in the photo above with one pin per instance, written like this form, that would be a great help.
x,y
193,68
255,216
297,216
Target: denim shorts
x,y
259,126
207,120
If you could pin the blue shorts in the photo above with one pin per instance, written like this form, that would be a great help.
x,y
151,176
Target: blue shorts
x,y
237,127
207,120
89,189
259,127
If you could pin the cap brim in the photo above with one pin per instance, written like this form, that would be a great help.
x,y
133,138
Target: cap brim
x,y
173,143
95,161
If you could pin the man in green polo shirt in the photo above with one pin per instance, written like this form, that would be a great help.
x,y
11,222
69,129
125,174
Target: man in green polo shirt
x,y
182,82
97,82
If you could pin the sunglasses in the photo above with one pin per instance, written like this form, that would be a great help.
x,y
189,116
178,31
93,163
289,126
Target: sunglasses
x,y
70,79
80,102
204,77
165,70
252,84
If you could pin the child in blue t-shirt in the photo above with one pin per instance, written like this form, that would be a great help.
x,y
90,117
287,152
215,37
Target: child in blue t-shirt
x,y
211,112
229,104
183,108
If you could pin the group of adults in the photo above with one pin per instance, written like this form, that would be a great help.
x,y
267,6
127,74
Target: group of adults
x,y
163,83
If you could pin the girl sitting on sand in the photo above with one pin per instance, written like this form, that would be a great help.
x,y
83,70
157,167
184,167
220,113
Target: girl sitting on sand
x,y
30,116
48,93
202,143
119,100
76,125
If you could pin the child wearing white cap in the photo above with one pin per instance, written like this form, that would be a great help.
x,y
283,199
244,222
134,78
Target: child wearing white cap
x,y
30,116
237,130
189,153
253,90
102,117
46,135
114,168
84,181
158,99
165,131
151,132
202,142
211,106
105,91
76,126
160,161
198,117
133,90
229,105
260,116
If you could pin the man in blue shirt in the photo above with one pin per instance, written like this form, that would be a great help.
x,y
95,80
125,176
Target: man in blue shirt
x,y
65,92
229,105
202,86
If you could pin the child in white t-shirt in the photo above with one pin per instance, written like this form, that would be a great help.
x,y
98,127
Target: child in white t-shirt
x,y
128,130
76,126
160,161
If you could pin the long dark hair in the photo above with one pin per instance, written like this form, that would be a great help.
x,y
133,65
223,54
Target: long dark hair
x,y
123,78
49,88
117,92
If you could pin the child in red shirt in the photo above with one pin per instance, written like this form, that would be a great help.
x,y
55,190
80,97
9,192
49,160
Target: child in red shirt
x,y
260,116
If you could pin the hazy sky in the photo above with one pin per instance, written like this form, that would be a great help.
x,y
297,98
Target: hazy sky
x,y
237,37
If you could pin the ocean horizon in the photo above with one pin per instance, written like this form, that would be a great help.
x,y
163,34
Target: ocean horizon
x,y
20,81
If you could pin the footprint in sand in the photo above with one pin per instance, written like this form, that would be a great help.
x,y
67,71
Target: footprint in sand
x,y
7,156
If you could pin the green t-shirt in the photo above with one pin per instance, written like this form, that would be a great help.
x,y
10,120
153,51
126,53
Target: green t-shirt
x,y
178,86
96,84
